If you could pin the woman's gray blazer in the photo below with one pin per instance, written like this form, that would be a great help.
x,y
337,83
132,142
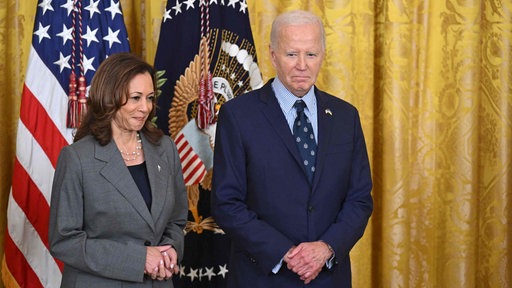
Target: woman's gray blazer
x,y
99,223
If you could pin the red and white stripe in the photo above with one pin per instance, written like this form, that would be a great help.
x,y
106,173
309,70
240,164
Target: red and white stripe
x,y
193,168
41,135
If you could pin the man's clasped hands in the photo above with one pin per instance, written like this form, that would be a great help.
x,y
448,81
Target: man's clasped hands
x,y
307,259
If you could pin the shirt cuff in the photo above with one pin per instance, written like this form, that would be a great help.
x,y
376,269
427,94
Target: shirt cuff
x,y
278,266
330,262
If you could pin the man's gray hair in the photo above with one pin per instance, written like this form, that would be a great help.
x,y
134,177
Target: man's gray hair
x,y
295,17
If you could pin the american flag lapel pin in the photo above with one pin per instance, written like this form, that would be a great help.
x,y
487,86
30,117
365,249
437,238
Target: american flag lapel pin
x,y
328,111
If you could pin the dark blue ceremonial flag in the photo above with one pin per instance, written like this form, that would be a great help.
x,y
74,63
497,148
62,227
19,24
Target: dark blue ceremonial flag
x,y
194,84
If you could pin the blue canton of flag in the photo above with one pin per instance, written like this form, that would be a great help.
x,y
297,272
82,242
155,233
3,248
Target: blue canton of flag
x,y
68,35
98,31
205,57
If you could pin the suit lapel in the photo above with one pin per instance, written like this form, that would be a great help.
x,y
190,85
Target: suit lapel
x,y
275,117
116,172
324,119
158,172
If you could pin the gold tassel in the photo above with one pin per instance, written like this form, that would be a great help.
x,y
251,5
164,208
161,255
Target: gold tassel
x,y
82,99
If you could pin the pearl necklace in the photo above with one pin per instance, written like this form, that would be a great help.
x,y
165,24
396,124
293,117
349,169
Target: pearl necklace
x,y
130,156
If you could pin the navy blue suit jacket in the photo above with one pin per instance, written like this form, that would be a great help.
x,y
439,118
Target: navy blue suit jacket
x,y
263,200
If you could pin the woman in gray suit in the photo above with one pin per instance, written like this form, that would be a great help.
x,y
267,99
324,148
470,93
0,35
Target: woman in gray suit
x,y
118,203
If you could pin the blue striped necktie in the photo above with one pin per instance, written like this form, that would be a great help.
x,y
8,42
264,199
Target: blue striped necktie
x,y
305,139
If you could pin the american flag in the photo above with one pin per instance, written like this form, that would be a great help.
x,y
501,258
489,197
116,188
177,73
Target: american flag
x,y
68,35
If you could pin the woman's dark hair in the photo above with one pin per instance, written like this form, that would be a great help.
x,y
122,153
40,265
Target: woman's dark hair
x,y
109,91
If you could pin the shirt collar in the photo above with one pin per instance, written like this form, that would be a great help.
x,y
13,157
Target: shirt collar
x,y
286,98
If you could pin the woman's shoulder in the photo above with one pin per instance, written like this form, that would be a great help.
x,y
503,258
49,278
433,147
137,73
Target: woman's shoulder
x,y
86,142
84,147
164,144
167,144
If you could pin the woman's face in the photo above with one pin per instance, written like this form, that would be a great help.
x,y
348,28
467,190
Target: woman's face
x,y
133,115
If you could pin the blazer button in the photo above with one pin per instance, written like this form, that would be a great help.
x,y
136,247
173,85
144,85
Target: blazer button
x,y
147,243
311,209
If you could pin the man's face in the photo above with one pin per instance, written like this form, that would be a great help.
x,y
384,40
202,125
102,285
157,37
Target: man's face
x,y
297,57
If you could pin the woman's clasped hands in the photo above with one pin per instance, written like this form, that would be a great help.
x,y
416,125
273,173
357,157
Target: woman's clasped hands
x,y
161,262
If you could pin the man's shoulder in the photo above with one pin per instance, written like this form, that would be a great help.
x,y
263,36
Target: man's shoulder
x,y
331,100
248,99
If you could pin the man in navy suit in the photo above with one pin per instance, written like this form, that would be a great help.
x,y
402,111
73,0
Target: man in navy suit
x,y
287,230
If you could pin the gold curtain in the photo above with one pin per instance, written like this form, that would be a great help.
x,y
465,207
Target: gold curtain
x,y
432,82
16,24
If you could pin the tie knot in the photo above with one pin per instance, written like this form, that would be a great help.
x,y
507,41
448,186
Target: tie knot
x,y
299,106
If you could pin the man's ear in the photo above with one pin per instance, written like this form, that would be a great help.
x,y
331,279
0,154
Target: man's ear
x,y
272,55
